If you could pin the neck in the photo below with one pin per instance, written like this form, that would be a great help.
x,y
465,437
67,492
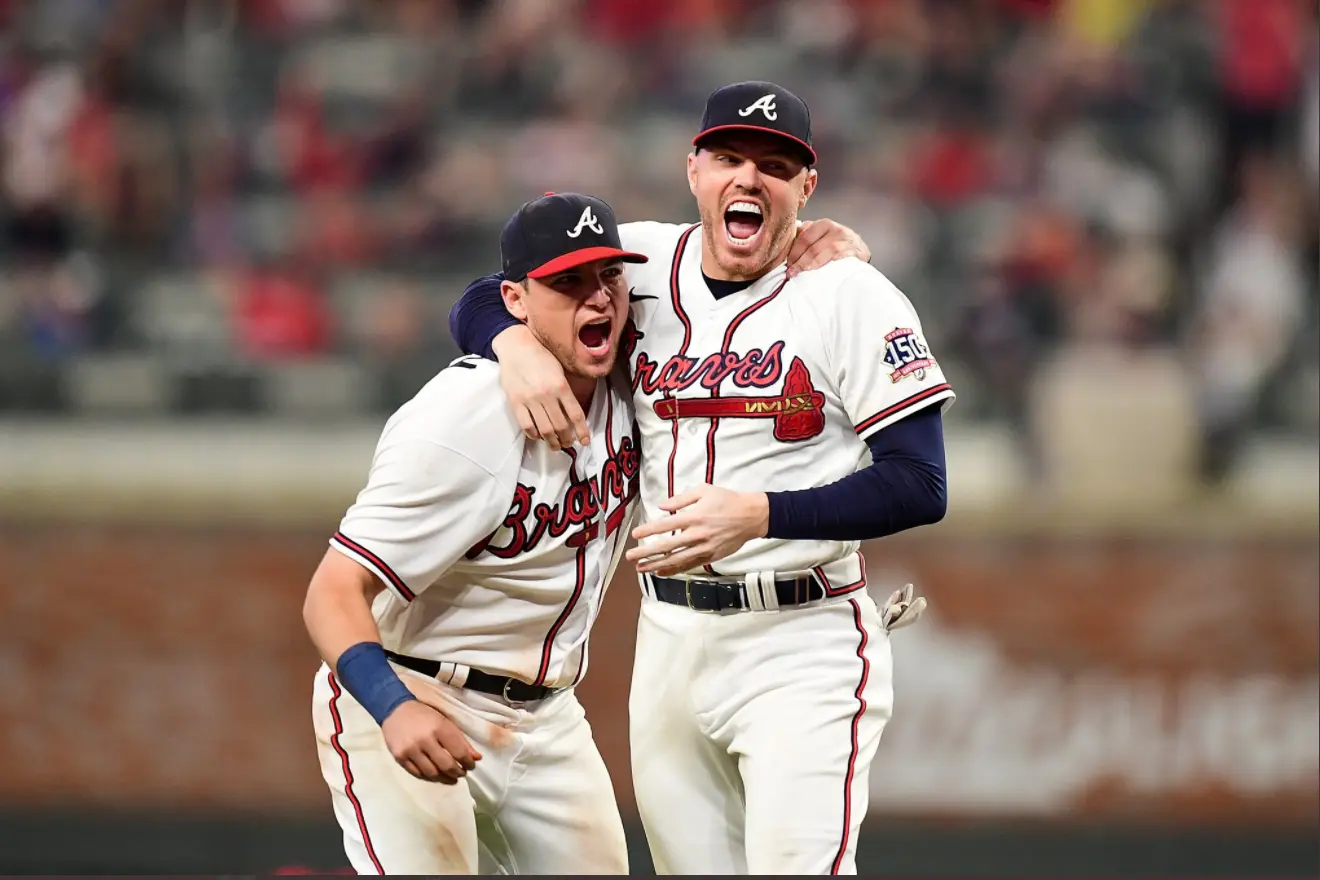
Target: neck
x,y
583,387
712,268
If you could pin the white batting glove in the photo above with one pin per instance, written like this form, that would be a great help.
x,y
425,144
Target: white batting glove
x,y
901,609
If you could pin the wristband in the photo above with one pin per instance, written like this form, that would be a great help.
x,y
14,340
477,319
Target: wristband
x,y
368,676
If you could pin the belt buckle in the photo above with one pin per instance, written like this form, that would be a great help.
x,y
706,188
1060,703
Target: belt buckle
x,y
504,692
687,596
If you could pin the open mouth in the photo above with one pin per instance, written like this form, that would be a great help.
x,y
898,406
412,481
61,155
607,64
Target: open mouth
x,y
595,336
742,222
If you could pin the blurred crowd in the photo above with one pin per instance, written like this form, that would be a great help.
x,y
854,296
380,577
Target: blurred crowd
x,y
270,182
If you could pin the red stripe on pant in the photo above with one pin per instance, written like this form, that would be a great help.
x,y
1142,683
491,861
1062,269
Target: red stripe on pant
x,y
348,772
852,755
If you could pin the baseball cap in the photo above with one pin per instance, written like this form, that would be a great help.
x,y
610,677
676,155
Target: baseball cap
x,y
758,106
557,232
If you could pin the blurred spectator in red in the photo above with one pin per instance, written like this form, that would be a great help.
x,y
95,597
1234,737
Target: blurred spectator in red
x,y
953,163
310,156
281,313
1262,46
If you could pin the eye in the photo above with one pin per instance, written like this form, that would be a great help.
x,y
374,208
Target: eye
x,y
726,159
613,273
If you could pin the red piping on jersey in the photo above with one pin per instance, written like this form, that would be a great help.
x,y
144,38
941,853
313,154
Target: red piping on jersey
x,y
612,522
687,332
846,588
394,580
724,352
715,392
348,773
582,664
609,423
852,754
924,394
547,647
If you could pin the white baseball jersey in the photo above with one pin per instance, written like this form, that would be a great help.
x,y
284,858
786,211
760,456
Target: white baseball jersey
x,y
496,553
773,388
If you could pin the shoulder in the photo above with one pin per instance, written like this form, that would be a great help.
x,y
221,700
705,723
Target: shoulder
x,y
462,409
655,240
849,283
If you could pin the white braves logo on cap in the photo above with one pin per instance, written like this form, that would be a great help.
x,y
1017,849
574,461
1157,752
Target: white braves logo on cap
x,y
587,220
765,103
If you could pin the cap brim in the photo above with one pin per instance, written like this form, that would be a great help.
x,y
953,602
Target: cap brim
x,y
801,144
585,255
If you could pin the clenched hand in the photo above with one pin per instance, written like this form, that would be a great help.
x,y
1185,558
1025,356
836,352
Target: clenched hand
x,y
427,744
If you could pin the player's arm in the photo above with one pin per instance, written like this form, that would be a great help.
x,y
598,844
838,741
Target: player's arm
x,y
533,380
895,393
337,613
413,521
904,487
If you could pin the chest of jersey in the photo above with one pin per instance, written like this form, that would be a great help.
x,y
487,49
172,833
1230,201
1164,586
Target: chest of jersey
x,y
723,383
568,505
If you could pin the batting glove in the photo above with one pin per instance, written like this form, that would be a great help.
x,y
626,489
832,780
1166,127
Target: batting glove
x,y
901,609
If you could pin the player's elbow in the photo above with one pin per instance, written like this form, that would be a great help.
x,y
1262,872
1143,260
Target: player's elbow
x,y
939,505
935,501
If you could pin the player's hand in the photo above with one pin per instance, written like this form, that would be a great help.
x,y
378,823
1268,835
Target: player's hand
x,y
708,524
534,383
902,610
427,744
823,241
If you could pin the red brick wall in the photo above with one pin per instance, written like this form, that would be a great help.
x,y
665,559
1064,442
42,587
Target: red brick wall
x,y
168,667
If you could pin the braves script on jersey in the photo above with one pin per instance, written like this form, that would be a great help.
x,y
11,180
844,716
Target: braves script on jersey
x,y
497,553
773,388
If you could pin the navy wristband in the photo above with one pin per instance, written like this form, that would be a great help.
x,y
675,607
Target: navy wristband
x,y
368,676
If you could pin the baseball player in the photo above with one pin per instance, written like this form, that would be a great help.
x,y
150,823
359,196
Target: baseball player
x,y
762,680
453,606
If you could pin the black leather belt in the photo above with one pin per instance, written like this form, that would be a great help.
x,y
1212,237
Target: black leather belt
x,y
512,689
705,595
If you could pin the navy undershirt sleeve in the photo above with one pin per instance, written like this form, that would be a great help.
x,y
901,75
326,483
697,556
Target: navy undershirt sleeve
x,y
903,488
479,316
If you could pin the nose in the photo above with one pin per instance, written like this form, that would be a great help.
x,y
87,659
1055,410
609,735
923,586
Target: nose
x,y
748,176
600,292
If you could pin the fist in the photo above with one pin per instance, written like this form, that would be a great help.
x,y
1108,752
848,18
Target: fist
x,y
427,744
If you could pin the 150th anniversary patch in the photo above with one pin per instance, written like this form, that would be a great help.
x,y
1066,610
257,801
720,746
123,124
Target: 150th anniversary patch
x,y
906,354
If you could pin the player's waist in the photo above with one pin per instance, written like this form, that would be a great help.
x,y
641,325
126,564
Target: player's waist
x,y
765,590
511,690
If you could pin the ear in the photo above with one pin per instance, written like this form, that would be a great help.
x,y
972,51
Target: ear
x,y
808,187
515,298
692,172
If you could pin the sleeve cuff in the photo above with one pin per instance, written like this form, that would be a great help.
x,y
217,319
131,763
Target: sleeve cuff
x,y
890,414
372,563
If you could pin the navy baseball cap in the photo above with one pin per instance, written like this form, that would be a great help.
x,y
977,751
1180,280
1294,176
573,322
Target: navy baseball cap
x,y
558,231
758,106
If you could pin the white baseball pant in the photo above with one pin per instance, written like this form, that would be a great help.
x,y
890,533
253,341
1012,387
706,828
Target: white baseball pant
x,y
540,801
753,733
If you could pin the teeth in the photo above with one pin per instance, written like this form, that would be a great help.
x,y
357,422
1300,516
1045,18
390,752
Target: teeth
x,y
746,207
